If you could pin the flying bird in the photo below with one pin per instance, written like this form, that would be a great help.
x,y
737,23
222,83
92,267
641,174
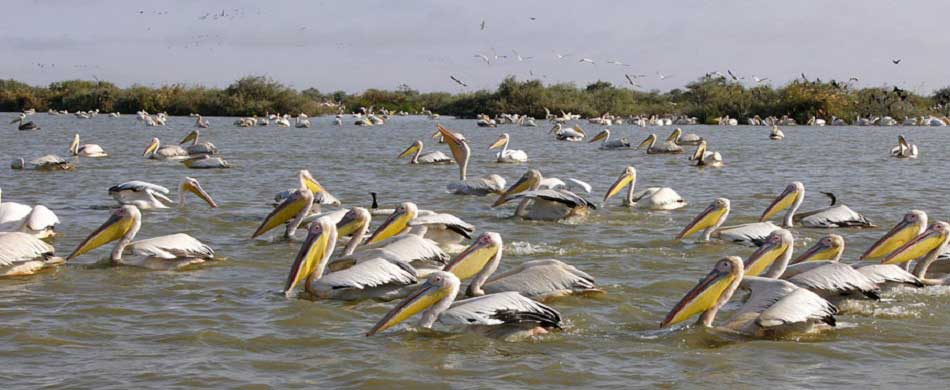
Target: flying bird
x,y
457,81
760,80
562,56
483,57
586,60
897,61
630,80
663,76
483,24
732,75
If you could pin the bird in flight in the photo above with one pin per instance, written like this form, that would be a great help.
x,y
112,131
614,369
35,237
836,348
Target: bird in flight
x,y
459,82
630,79
734,78
615,62
587,60
562,56
897,61
663,76
853,79
483,24
483,57
760,80
519,57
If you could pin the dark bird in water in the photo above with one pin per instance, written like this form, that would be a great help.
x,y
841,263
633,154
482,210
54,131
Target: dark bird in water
x,y
897,61
458,81
25,125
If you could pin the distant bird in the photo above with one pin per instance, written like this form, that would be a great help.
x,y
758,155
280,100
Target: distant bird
x,y
615,62
805,79
729,71
519,57
630,80
458,81
532,18
897,61
483,24
483,57
587,60
853,79
760,80
662,76
562,56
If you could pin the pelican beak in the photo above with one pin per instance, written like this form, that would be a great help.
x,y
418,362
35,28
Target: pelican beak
x,y
194,187
601,135
700,151
296,203
928,241
427,295
580,130
437,134
456,144
646,143
498,143
393,225
700,298
312,252
897,236
675,135
709,217
782,202
474,258
409,151
624,180
763,257
192,136
522,185
819,251
152,147
352,221
113,229
74,146
312,184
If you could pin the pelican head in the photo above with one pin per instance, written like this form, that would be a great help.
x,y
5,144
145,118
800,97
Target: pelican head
x,y
307,180
675,135
356,219
396,223
120,223
714,215
437,287
712,291
298,201
192,136
600,136
651,139
152,147
412,149
911,225
779,243
902,141
74,146
529,180
829,247
460,150
628,177
193,186
473,259
501,141
792,196
933,239
314,253
700,151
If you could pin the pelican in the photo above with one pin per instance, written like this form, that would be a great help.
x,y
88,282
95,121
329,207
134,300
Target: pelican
x,y
904,149
912,224
653,198
49,162
37,221
925,248
607,144
302,121
710,220
506,155
818,269
774,309
204,161
415,150
575,134
320,195
86,150
24,254
776,134
491,184
145,195
294,208
196,147
667,147
703,158
543,204
538,279
446,229
168,152
828,217
507,315
201,123
678,138
160,253
24,126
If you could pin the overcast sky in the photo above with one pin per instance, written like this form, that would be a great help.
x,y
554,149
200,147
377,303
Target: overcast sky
x,y
353,45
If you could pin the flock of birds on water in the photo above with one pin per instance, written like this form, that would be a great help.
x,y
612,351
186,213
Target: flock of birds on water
x,y
406,257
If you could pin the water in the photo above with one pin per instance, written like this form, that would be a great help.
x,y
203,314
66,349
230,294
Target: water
x,y
225,325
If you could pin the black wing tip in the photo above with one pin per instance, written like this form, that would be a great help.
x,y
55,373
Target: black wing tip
x,y
873,294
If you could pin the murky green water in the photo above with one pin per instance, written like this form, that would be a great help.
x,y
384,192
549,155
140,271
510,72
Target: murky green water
x,y
225,325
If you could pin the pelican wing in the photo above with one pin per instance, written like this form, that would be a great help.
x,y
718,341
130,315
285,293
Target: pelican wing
x,y
371,273
834,216
888,273
831,278
407,248
573,184
174,246
564,197
499,309
777,302
750,234
436,157
658,198
12,215
552,183
41,218
448,221
538,278
138,186
479,187
18,247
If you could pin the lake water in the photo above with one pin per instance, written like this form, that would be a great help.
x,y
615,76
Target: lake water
x,y
226,325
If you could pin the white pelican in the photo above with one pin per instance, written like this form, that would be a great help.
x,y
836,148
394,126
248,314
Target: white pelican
x,y
925,248
543,204
168,152
607,144
294,208
710,220
320,195
776,134
819,270
703,158
574,134
506,155
23,254
145,195
491,184
87,150
653,198
538,279
37,221
160,253
678,138
196,147
446,229
904,149
828,217
302,121
201,123
24,126
415,150
506,315
775,308
204,161
667,147
912,224
49,162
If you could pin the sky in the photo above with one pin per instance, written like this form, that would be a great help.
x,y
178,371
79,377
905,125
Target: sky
x,y
354,45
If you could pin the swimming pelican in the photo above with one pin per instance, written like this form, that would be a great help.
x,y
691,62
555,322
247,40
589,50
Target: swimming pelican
x,y
703,158
667,147
415,150
201,123
653,198
912,224
294,208
25,126
925,248
47,163
904,149
320,195
86,150
710,220
168,152
678,138
574,134
160,253
828,217
607,144
775,308
446,229
37,221
543,204
818,269
507,315
146,195
204,161
506,155
776,134
196,147
23,254
491,184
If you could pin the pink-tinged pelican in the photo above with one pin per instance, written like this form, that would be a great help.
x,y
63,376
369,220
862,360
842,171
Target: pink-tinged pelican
x,y
904,149
36,221
156,151
607,144
535,203
667,147
145,195
24,254
85,150
835,215
925,248
710,221
774,309
160,253
506,155
653,198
